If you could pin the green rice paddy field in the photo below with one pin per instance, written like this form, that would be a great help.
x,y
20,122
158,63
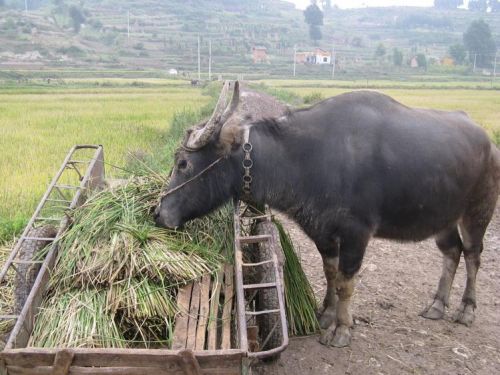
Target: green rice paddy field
x,y
40,123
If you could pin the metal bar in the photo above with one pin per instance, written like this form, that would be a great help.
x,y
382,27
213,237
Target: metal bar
x,y
262,312
260,286
258,217
257,264
72,165
48,263
60,193
254,239
68,187
8,317
58,200
17,246
79,161
20,261
240,294
49,239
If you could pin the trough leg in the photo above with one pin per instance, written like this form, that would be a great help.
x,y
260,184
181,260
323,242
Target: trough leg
x,y
450,244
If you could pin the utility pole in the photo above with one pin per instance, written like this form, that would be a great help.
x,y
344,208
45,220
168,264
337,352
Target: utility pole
x,y
128,24
210,59
333,62
26,6
495,66
199,59
475,58
294,59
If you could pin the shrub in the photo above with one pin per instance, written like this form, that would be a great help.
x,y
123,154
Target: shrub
x,y
313,97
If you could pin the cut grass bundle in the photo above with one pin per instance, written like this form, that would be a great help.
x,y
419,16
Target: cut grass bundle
x,y
114,252
113,238
299,297
141,299
76,319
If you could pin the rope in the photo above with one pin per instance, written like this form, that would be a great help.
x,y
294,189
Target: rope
x,y
192,178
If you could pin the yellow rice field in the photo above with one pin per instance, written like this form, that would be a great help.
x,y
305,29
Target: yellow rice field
x,y
39,126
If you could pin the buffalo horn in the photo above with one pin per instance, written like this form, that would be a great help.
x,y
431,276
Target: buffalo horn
x,y
200,137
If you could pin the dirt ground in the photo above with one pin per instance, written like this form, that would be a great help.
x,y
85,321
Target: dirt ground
x,y
396,282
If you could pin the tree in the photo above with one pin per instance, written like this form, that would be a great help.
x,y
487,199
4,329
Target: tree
x,y
422,61
77,17
458,53
447,4
479,42
397,57
326,5
314,18
380,51
478,5
315,33
495,6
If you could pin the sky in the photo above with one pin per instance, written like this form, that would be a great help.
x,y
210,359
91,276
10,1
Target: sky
x,y
371,3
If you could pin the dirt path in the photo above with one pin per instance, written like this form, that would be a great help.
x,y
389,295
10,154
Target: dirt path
x,y
396,282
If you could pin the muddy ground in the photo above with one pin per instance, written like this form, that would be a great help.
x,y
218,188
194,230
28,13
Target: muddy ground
x,y
396,282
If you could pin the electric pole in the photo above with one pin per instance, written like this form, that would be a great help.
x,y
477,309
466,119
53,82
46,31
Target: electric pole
x,y
333,62
128,24
26,6
294,58
199,59
210,59
475,58
495,66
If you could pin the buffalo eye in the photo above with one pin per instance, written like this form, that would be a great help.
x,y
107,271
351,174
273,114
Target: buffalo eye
x,y
182,164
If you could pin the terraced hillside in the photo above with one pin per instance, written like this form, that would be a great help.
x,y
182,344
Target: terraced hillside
x,y
160,35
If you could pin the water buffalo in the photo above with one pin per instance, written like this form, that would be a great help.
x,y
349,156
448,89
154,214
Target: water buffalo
x,y
355,166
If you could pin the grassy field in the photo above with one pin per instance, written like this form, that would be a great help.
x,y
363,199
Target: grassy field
x,y
38,125
39,122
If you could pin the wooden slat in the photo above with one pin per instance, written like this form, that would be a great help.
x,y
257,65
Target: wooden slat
x,y
189,362
193,316
254,239
204,311
214,312
182,318
47,370
117,357
228,307
62,362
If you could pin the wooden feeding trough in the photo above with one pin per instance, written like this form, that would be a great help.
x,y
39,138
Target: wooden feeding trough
x,y
226,320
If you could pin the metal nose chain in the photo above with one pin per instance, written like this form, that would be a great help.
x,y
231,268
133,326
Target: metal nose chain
x,y
247,164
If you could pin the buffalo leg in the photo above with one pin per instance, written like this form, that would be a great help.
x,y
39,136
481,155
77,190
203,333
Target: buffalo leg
x,y
473,226
328,315
450,244
473,246
352,249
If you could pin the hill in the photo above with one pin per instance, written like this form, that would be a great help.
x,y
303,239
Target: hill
x,y
153,36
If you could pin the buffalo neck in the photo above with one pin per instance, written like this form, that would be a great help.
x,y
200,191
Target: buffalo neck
x,y
276,177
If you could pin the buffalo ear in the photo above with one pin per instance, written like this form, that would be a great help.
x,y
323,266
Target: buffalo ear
x,y
231,135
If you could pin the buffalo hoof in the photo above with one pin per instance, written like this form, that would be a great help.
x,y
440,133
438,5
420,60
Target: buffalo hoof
x,y
327,318
338,337
435,311
465,314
